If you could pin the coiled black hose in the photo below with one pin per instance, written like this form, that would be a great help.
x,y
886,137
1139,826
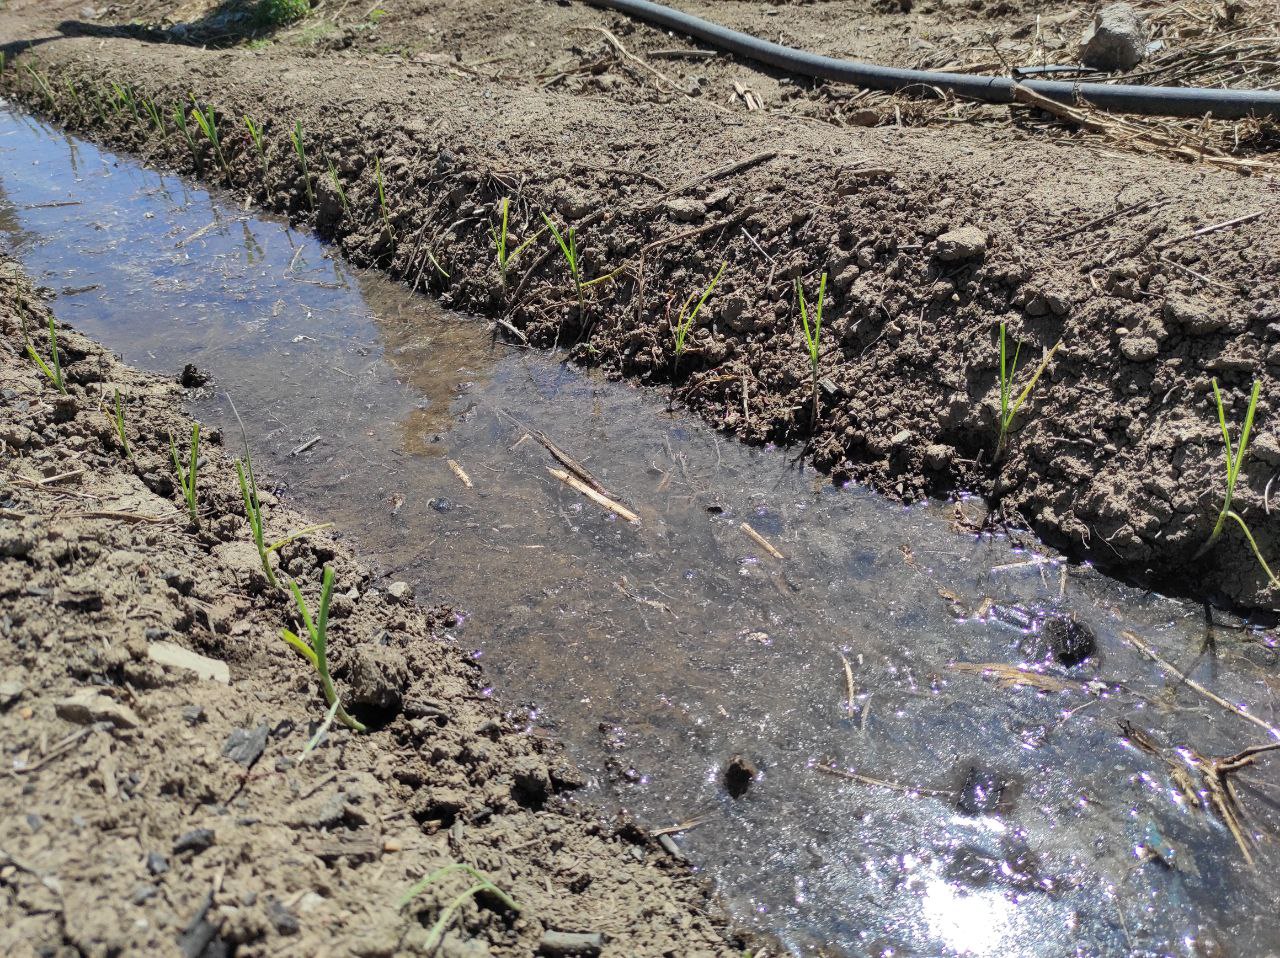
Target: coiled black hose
x,y
1149,100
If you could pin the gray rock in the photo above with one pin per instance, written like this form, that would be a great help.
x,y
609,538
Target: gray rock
x,y
88,706
1116,40
157,864
194,841
377,678
174,656
570,943
10,692
967,242
686,210
400,591
245,746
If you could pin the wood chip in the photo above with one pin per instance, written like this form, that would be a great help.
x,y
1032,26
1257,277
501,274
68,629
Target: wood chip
x,y
761,541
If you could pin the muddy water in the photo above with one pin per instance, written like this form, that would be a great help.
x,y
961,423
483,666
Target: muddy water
x,y
1009,819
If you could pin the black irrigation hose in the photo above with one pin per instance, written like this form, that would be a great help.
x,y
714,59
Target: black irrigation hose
x,y
1150,100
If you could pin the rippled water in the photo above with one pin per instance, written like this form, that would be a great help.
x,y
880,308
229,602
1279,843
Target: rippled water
x,y
1039,810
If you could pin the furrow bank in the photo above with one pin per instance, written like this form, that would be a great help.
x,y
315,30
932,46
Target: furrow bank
x,y
161,793
930,239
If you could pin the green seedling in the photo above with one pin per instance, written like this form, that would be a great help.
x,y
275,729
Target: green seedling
x,y
337,183
180,118
54,371
98,107
257,519
208,124
187,477
482,884
120,433
255,134
1235,454
123,97
382,193
1009,405
74,94
568,243
500,241
686,319
316,651
42,83
300,149
153,112
813,336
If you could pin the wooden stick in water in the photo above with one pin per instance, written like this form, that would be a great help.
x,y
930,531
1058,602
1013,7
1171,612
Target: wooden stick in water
x,y
599,498
460,473
761,541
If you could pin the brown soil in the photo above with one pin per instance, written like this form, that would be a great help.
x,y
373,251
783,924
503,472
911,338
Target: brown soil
x,y
148,810
1116,458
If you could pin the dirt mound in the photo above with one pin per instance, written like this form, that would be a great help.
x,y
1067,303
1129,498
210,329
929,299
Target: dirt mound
x,y
156,727
1156,276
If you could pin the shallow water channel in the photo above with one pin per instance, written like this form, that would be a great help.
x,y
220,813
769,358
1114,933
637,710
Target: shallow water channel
x,y
1011,818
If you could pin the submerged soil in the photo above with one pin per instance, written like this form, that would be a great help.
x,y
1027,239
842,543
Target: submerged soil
x,y
931,236
159,795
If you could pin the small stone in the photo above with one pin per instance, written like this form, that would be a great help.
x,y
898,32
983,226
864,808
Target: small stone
x,y
738,775
282,919
173,656
392,845
1139,349
88,706
10,692
377,678
194,841
967,242
400,591
900,439
1071,641
440,504
157,864
685,210
980,792
1116,40
245,746
142,892
192,377
193,714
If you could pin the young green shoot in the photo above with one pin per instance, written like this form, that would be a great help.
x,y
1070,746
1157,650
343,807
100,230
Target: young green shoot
x,y
382,194
315,651
481,884
813,336
568,243
2,63
74,94
187,477
123,97
119,419
255,134
685,321
257,519
1235,454
208,124
42,84
501,241
54,371
180,118
153,111
300,148
337,183
1009,404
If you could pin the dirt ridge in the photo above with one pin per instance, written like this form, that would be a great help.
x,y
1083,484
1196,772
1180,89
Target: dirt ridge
x,y
1117,458
152,808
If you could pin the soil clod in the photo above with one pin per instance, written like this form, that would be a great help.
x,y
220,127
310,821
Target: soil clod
x,y
738,775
